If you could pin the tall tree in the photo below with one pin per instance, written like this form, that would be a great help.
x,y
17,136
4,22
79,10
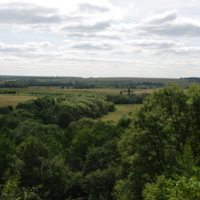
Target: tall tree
x,y
159,129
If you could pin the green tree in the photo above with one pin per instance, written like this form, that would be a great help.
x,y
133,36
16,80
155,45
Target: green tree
x,y
7,154
101,157
30,152
158,131
11,189
99,184
180,188
129,91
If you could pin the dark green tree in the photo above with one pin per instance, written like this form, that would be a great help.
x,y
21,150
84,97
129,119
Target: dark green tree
x,y
129,91
158,131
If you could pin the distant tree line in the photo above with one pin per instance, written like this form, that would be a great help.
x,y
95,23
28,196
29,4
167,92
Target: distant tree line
x,y
143,85
48,83
135,85
3,91
13,84
78,85
128,99
192,79
38,77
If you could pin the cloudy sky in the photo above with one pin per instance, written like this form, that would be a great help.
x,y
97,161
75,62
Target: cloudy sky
x,y
100,38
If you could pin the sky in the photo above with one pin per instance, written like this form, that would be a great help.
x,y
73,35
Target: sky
x,y
100,38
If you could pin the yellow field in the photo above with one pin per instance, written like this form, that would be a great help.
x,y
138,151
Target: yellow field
x,y
13,100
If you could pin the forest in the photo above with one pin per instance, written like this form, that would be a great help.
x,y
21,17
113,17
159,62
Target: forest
x,y
60,149
89,83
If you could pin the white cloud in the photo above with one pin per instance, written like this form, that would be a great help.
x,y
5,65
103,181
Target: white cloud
x,y
154,43
28,13
27,47
103,38
130,47
86,7
158,19
85,19
86,28
168,24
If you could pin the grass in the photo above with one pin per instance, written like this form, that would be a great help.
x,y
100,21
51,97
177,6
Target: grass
x,y
24,94
120,110
106,91
56,91
13,100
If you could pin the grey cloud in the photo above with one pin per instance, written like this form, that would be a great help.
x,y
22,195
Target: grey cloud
x,y
103,35
89,47
28,6
185,51
98,30
40,44
99,26
77,24
27,13
173,30
86,7
130,46
15,48
154,43
92,46
167,16
169,25
28,47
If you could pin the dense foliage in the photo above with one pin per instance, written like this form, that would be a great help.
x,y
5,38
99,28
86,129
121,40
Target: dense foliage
x,y
129,99
56,150
81,83
154,145
43,148
3,91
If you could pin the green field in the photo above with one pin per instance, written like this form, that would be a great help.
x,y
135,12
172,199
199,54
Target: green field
x,y
33,92
120,110
13,100
24,94
56,91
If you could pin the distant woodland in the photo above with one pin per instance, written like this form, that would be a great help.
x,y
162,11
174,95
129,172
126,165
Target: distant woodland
x,y
59,149
87,83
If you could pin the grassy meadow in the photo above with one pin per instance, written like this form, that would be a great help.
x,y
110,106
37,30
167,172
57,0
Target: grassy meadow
x,y
33,92
24,94
13,100
120,110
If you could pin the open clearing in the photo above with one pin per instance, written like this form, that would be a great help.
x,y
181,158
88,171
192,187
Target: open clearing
x,y
56,91
36,92
13,100
120,110
115,116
